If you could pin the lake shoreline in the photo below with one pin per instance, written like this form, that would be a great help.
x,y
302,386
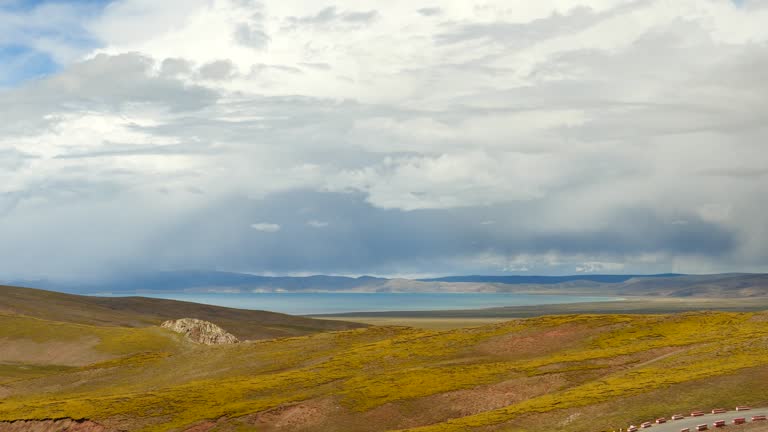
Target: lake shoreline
x,y
308,304
628,305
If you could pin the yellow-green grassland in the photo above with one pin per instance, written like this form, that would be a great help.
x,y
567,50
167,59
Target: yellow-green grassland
x,y
556,373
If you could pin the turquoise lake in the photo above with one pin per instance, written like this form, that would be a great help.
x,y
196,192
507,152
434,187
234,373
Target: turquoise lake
x,y
327,303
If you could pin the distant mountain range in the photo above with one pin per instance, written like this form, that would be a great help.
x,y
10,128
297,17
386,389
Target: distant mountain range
x,y
671,285
547,280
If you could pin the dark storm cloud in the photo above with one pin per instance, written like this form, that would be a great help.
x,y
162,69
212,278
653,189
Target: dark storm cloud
x,y
369,239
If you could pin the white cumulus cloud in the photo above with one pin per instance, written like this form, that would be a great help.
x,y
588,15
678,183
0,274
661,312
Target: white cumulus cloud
x,y
317,224
266,227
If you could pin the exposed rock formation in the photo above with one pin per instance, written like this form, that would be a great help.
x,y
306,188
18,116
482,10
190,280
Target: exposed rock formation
x,y
61,425
202,332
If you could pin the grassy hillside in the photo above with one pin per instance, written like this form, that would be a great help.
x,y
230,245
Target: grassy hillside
x,y
564,373
143,312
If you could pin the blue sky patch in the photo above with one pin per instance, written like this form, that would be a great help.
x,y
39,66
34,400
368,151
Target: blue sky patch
x,y
21,5
21,57
18,64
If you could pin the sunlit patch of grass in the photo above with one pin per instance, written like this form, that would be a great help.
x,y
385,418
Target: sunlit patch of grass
x,y
121,341
18,371
112,340
38,330
134,361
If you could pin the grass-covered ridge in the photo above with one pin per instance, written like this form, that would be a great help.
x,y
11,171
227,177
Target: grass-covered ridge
x,y
136,312
506,376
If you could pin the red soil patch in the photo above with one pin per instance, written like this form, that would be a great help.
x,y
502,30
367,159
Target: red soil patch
x,y
530,344
201,427
308,415
63,425
473,401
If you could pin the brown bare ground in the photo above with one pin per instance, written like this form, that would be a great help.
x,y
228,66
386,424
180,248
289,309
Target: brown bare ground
x,y
308,415
530,344
61,425
758,427
69,353
201,427
328,415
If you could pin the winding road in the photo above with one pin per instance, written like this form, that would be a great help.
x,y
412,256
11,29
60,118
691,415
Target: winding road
x,y
692,422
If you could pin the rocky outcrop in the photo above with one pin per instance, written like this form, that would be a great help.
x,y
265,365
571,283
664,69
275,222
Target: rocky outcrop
x,y
60,425
202,332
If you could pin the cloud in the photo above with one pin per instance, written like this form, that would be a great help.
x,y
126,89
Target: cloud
x,y
331,15
599,267
382,241
251,32
430,11
174,67
217,70
359,17
266,227
107,82
586,131
251,36
738,172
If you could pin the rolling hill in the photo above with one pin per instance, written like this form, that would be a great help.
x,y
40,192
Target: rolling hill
x,y
146,312
575,373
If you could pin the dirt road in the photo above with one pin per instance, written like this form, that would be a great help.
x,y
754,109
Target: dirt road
x,y
709,419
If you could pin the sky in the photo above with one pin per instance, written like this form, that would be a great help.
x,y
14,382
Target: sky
x,y
398,138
